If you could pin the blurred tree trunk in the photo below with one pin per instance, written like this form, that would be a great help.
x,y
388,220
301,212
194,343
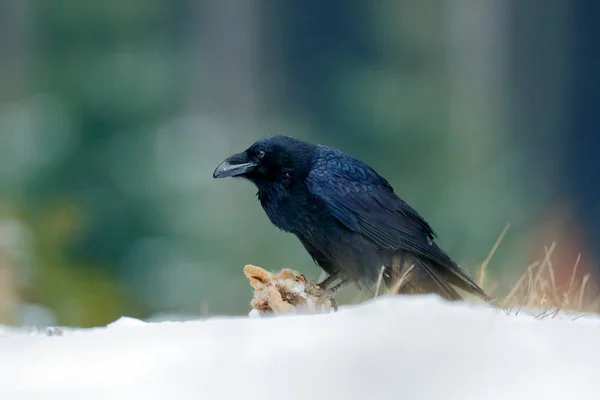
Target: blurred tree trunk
x,y
15,56
484,193
554,65
226,56
15,30
476,50
539,65
581,157
8,295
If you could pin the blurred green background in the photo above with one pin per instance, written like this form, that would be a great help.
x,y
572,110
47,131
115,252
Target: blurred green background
x,y
113,115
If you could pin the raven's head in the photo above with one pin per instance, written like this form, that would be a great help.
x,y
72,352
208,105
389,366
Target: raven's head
x,y
275,159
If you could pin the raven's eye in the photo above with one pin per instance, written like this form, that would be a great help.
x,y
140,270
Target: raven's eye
x,y
260,154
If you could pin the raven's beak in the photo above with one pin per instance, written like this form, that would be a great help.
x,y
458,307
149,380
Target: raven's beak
x,y
235,165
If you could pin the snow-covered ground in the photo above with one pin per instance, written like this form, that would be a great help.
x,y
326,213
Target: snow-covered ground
x,y
417,348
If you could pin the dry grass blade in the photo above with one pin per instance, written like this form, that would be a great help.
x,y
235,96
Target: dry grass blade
x,y
519,283
402,280
556,312
484,266
492,289
582,291
544,313
552,279
566,301
530,287
572,281
545,262
543,299
519,309
595,305
379,279
542,292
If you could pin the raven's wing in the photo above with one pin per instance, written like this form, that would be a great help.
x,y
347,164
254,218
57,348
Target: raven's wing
x,y
365,202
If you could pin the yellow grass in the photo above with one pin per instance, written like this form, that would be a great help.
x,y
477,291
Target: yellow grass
x,y
536,289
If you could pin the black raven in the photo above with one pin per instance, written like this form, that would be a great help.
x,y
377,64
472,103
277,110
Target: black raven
x,y
347,216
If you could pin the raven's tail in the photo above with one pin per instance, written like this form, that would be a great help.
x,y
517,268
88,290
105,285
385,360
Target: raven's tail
x,y
413,275
460,278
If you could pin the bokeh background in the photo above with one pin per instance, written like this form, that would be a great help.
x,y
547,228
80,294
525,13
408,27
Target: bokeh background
x,y
113,115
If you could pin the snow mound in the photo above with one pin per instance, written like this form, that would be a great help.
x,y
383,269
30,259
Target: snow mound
x,y
419,347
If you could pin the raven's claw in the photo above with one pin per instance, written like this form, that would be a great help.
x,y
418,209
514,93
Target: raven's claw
x,y
328,281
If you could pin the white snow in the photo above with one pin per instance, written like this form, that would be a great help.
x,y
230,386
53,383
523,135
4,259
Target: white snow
x,y
418,347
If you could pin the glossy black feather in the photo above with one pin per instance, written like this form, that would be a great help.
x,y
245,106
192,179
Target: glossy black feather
x,y
348,217
365,202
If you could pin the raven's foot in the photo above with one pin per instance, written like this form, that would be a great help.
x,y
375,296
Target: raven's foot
x,y
330,293
327,293
337,287
327,297
328,281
